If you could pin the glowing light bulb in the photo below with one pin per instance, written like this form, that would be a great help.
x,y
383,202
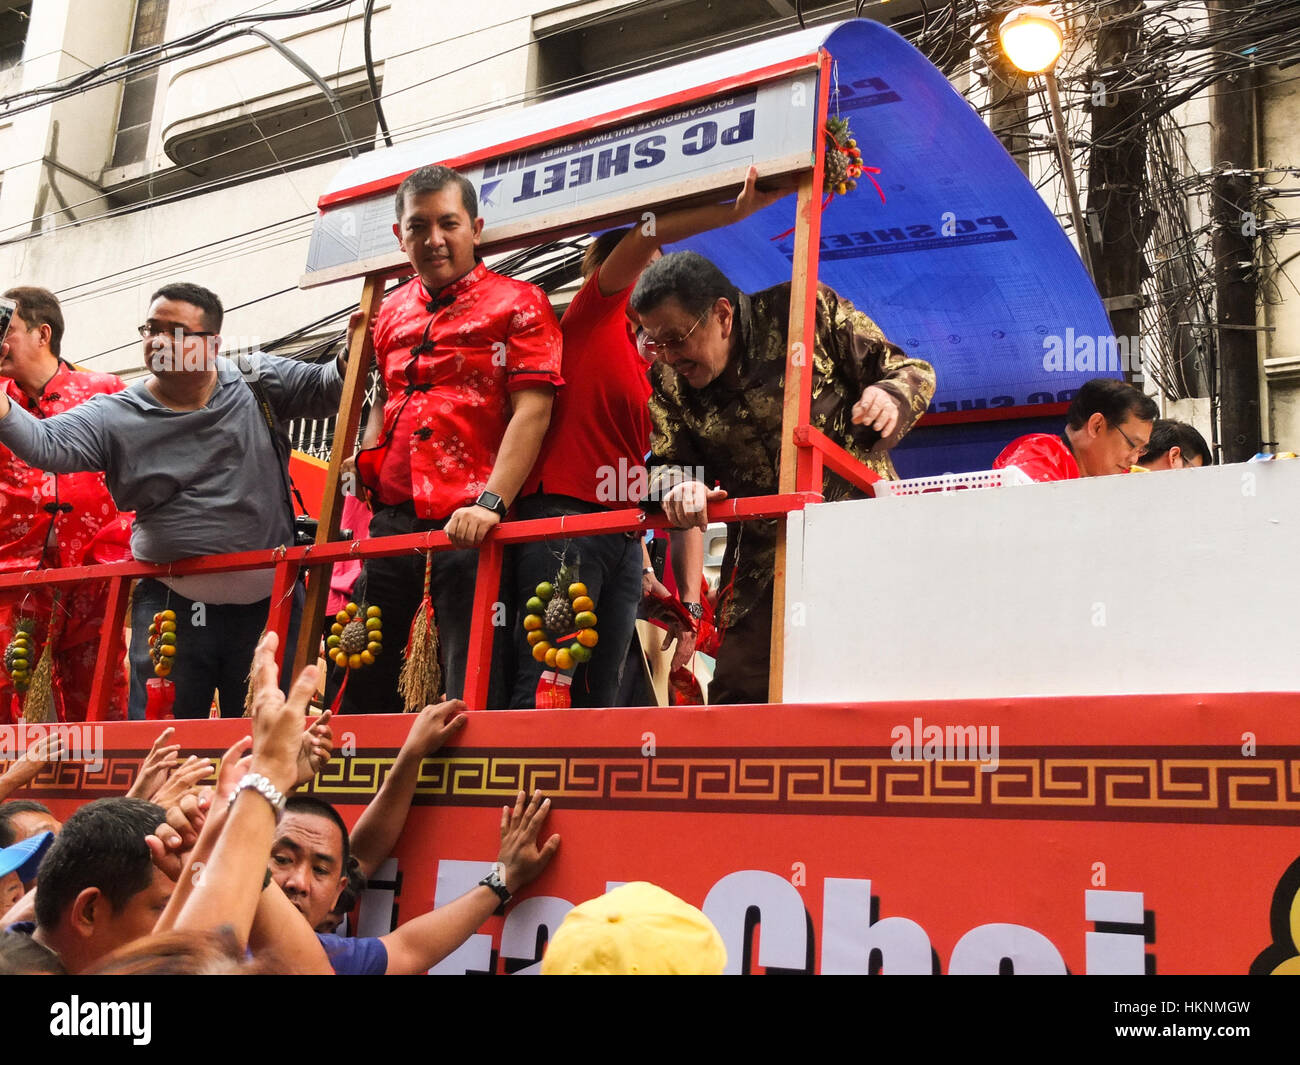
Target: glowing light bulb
x,y
1031,38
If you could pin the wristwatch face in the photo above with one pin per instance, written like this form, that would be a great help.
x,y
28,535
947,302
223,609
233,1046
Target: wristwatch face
x,y
695,610
492,501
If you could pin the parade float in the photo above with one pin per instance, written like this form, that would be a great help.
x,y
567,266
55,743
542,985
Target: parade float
x,y
1029,729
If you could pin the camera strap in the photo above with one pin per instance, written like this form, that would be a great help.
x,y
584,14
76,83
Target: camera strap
x,y
282,461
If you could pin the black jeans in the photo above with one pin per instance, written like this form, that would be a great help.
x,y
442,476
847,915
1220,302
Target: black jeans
x,y
396,585
611,570
214,649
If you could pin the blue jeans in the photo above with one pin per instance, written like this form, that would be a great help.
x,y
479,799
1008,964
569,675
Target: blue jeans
x,y
212,656
611,570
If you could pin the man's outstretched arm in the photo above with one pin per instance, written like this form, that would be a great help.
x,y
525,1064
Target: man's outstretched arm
x,y
381,823
425,941
70,442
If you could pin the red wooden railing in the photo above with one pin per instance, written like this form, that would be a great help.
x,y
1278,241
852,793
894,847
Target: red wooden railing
x,y
288,561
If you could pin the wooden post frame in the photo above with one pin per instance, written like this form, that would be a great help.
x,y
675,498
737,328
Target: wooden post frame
x,y
361,352
797,465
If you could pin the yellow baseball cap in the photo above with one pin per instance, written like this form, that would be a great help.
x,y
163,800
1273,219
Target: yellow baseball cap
x,y
635,930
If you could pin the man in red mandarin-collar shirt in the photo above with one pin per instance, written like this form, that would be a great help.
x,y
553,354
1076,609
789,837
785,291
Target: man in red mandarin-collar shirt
x,y
469,362
50,520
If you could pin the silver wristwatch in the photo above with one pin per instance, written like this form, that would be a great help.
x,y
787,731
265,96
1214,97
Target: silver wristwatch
x,y
260,784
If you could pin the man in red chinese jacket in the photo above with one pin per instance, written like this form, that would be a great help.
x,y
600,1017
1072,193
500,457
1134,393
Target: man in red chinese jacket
x,y
1107,428
49,520
469,362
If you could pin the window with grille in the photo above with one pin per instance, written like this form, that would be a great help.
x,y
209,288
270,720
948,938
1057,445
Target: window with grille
x,y
139,89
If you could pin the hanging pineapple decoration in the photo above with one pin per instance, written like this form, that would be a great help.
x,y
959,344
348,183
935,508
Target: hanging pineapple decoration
x,y
18,655
561,621
843,163
357,636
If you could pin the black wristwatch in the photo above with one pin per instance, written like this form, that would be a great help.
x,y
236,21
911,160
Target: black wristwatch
x,y
496,883
493,502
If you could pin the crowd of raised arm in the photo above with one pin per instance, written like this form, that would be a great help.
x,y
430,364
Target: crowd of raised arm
x,y
227,868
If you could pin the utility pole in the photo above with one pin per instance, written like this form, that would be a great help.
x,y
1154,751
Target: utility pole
x,y
1117,173
1231,151
1008,115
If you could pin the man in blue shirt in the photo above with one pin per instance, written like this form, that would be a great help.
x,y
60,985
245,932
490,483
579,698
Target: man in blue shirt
x,y
309,862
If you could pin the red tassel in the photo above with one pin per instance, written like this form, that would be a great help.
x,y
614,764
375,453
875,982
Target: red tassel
x,y
338,698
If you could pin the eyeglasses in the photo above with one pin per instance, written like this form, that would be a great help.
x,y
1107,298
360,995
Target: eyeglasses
x,y
1129,440
166,329
674,343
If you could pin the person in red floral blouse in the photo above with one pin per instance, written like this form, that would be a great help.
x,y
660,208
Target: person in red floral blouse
x,y
469,363
52,520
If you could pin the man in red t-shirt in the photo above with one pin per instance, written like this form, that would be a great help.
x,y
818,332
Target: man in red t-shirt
x,y
593,457
1108,425
469,363
49,520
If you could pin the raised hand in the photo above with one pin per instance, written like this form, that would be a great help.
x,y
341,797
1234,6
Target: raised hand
x,y
172,840
520,856
162,758
434,726
315,748
752,198
175,837
277,720
183,781
26,769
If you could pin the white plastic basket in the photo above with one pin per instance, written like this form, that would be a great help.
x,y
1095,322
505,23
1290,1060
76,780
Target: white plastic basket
x,y
953,482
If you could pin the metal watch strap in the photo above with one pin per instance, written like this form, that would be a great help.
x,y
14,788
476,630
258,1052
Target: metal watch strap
x,y
260,784
695,610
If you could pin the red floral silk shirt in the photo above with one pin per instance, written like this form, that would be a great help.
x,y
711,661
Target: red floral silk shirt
x,y
1040,457
64,519
449,364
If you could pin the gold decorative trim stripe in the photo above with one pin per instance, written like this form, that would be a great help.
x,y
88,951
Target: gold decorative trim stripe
x,y
1154,787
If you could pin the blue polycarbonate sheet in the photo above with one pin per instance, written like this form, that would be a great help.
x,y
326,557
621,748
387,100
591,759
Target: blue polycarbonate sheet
x,y
963,264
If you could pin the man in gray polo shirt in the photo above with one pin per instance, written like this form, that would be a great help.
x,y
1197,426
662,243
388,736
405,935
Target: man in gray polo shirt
x,y
189,450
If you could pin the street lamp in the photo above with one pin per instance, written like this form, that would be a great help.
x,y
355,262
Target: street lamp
x,y
1032,39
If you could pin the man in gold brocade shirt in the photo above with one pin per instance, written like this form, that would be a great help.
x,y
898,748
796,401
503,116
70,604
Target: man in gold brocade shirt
x,y
716,412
